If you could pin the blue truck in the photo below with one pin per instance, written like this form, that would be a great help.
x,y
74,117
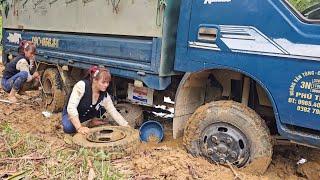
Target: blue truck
x,y
241,73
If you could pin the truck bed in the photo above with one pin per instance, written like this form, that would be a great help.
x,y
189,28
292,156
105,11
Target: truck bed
x,y
132,47
134,18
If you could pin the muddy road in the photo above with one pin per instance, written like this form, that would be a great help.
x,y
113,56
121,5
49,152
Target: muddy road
x,y
49,148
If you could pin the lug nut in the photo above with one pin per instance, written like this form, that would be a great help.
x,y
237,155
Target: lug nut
x,y
233,154
210,151
214,139
229,140
215,149
222,161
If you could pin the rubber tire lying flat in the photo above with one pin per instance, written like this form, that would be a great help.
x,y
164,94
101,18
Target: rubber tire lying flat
x,y
58,96
240,116
116,149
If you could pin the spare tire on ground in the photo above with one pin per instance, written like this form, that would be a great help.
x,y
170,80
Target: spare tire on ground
x,y
117,141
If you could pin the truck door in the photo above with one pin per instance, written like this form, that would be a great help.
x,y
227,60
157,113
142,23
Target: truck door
x,y
204,31
303,105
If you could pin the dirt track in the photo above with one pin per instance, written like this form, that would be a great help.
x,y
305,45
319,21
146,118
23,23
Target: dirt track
x,y
167,160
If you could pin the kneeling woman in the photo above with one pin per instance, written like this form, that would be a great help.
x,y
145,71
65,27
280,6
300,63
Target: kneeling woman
x,y
17,72
89,99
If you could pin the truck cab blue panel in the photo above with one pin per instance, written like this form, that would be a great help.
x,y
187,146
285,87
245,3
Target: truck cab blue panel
x,y
264,39
130,57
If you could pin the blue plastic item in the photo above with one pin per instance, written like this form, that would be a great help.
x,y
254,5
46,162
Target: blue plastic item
x,y
149,129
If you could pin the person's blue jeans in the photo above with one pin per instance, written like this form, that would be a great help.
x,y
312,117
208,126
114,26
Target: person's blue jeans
x,y
16,82
66,123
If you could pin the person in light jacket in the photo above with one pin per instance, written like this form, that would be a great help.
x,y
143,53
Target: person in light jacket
x,y
89,100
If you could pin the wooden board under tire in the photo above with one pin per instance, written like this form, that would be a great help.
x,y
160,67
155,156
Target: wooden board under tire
x,y
116,149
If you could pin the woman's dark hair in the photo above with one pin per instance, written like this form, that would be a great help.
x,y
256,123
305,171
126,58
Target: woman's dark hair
x,y
95,72
25,45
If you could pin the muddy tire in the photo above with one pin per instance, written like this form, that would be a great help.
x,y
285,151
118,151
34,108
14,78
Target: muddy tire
x,y
116,149
53,90
223,131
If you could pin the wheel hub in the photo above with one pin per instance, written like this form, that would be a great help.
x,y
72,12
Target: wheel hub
x,y
224,143
105,135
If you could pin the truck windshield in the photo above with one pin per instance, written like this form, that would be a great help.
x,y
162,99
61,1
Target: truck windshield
x,y
308,10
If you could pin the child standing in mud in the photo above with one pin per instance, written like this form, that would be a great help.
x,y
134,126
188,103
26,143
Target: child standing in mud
x,y
88,100
17,72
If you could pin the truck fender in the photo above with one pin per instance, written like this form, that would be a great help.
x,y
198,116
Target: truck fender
x,y
190,95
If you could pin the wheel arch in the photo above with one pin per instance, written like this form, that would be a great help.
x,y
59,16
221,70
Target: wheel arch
x,y
183,97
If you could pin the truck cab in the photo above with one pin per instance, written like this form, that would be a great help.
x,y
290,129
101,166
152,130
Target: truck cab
x,y
262,54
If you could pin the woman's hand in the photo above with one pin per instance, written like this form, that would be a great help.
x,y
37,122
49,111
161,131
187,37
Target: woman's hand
x,y
96,122
83,130
36,75
126,125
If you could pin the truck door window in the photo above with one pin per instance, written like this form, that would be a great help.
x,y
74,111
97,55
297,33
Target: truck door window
x,y
306,10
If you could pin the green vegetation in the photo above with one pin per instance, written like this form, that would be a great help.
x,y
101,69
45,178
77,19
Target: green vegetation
x,y
31,157
302,5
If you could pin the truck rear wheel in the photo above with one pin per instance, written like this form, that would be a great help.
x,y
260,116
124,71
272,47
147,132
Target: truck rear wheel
x,y
228,132
53,90
132,113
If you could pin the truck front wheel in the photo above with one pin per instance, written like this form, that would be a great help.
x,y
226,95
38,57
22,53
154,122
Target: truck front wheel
x,y
228,132
53,90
